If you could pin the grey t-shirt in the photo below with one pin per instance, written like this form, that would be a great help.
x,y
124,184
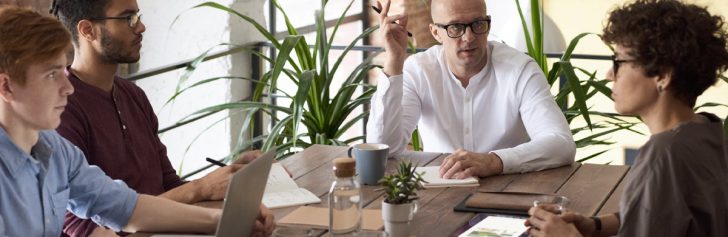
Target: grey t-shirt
x,y
678,185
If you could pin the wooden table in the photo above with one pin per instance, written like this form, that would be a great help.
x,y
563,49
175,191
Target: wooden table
x,y
592,189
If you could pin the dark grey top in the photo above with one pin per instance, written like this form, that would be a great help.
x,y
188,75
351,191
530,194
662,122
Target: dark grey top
x,y
678,185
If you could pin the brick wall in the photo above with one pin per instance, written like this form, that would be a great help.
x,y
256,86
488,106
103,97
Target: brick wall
x,y
39,5
419,21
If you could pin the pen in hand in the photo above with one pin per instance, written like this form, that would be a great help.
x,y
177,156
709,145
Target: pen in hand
x,y
213,161
380,11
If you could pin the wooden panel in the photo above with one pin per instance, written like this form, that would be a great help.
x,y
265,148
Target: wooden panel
x,y
612,204
437,218
590,187
311,158
545,181
419,158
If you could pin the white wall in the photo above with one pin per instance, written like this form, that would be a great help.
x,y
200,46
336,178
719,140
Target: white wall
x,y
195,31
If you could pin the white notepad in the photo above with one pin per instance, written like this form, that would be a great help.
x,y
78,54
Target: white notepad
x,y
282,191
432,176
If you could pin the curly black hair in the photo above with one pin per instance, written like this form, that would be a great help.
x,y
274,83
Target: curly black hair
x,y
672,36
70,12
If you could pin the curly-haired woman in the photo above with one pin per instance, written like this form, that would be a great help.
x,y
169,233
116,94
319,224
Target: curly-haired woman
x,y
667,53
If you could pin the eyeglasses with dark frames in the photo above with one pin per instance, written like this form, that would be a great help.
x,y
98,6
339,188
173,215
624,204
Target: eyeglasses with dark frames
x,y
616,63
456,30
132,19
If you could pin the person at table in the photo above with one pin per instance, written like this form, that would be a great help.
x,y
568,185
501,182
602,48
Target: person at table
x,y
42,174
485,102
110,119
667,53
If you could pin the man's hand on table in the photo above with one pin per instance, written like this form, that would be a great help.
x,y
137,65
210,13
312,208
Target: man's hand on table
x,y
463,164
264,225
214,185
248,156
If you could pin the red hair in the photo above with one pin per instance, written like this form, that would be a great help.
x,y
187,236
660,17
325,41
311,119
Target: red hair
x,y
28,37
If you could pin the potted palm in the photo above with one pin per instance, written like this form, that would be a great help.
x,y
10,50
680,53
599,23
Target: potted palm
x,y
400,195
324,104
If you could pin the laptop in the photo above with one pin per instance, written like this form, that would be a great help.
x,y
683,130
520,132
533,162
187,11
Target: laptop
x,y
243,198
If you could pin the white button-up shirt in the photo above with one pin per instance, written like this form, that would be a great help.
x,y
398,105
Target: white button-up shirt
x,y
506,109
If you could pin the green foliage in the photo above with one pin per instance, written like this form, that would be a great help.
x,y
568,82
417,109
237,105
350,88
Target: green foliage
x,y
401,187
580,84
318,112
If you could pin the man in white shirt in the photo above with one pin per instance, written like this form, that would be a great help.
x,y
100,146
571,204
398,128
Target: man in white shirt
x,y
486,103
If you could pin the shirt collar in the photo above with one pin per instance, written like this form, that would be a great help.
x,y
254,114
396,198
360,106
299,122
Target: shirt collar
x,y
475,78
13,158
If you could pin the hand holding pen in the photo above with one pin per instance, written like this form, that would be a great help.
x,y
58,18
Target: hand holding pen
x,y
380,11
394,33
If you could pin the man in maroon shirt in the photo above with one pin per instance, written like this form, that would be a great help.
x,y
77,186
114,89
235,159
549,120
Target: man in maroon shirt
x,y
111,120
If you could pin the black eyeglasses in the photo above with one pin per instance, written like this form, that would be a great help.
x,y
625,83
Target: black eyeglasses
x,y
617,63
456,30
132,19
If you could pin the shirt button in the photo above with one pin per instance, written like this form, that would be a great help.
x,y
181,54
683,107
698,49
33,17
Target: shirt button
x,y
119,112
123,126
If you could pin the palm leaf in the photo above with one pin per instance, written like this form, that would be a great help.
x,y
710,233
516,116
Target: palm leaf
x,y
578,92
300,100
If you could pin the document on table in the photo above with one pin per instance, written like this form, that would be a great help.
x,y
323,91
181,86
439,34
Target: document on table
x,y
498,226
432,176
282,191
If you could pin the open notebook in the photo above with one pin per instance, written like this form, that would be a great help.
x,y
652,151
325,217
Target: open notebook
x,y
282,191
432,176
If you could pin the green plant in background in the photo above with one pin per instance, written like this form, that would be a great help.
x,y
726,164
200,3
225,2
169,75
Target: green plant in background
x,y
401,187
582,90
320,111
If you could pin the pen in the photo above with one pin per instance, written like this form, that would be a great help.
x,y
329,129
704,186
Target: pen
x,y
213,161
380,11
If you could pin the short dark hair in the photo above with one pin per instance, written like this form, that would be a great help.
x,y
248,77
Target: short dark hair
x,y
70,12
27,37
670,35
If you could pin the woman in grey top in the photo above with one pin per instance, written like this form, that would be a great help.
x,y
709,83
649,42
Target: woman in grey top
x,y
666,54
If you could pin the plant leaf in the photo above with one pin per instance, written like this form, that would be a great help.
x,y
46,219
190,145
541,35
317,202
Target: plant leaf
x,y
304,84
591,156
579,94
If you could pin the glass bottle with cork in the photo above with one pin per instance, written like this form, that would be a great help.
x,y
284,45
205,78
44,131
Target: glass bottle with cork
x,y
345,207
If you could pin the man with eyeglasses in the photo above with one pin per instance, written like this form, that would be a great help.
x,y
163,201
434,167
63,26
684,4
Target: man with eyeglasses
x,y
486,103
111,120
41,174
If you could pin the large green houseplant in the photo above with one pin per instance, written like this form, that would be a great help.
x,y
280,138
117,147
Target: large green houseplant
x,y
581,90
318,113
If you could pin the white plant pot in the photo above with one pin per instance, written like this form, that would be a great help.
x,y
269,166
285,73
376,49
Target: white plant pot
x,y
398,218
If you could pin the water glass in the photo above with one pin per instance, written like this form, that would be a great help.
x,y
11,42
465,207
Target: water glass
x,y
560,202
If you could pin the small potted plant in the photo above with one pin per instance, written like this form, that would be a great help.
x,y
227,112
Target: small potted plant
x,y
400,195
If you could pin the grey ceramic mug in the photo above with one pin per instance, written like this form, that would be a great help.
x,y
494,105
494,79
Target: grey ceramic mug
x,y
371,161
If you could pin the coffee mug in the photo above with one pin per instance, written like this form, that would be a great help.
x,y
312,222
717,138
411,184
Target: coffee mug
x,y
371,161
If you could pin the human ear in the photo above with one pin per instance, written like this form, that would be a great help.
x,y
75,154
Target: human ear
x,y
86,30
6,93
664,80
435,33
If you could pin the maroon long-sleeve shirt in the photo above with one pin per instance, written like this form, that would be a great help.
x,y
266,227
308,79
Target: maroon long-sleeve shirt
x,y
116,131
